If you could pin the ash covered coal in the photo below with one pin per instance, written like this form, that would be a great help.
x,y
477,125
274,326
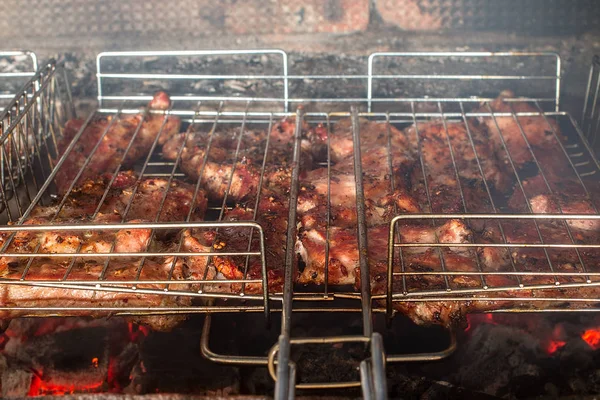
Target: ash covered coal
x,y
525,356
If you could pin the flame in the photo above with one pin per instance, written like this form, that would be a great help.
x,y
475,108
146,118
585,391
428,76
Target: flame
x,y
592,337
476,319
40,388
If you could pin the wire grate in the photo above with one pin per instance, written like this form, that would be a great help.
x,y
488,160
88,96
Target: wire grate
x,y
156,278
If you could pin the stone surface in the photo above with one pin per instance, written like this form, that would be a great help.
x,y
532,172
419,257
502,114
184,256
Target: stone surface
x,y
411,15
292,16
153,18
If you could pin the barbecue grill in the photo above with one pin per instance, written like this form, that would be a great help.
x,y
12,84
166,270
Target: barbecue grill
x,y
209,102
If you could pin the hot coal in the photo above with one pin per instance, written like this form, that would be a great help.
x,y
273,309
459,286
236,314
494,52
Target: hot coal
x,y
59,356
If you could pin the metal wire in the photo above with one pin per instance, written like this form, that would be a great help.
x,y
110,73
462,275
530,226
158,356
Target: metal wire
x,y
47,82
45,108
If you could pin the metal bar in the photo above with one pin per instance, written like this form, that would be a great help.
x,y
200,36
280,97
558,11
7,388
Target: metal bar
x,y
266,114
363,257
288,285
255,212
434,356
98,283
547,184
532,300
145,225
292,380
494,216
378,359
487,187
283,386
316,100
428,194
328,216
586,97
224,359
144,76
366,380
390,283
459,183
520,183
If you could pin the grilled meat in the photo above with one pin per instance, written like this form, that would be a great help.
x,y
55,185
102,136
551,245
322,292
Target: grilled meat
x,y
44,296
267,204
124,198
229,164
212,155
120,142
387,156
457,185
271,214
440,141
560,196
128,199
518,133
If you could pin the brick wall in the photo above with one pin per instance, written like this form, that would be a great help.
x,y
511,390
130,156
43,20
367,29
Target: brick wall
x,y
149,20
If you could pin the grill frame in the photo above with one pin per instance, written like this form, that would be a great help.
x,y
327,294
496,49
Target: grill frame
x,y
17,67
251,111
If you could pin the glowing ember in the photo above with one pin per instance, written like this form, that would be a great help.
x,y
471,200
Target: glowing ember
x,y
592,338
95,362
476,319
136,332
554,346
40,388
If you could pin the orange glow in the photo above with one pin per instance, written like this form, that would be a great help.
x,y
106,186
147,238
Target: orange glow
x,y
95,362
136,332
112,375
476,319
592,338
48,326
40,388
554,346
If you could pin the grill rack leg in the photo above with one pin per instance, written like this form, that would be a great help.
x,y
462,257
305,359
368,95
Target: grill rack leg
x,y
224,358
